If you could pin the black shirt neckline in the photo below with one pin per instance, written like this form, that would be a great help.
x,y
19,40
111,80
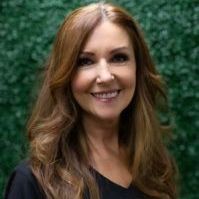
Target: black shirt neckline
x,y
101,177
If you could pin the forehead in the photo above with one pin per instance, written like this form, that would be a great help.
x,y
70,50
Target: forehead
x,y
107,35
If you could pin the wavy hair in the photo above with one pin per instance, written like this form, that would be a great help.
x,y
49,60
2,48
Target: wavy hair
x,y
59,152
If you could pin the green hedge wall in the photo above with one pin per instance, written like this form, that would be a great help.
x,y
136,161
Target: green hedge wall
x,y
27,30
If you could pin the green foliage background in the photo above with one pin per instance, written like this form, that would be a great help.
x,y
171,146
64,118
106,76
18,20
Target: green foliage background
x,y
27,30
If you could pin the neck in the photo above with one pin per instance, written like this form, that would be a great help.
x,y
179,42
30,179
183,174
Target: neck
x,y
102,135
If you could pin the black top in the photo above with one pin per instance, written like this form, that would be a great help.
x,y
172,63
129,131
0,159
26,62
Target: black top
x,y
23,185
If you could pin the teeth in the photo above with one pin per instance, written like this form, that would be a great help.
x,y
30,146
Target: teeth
x,y
106,95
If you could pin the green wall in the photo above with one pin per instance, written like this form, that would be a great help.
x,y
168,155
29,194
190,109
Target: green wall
x,y
27,30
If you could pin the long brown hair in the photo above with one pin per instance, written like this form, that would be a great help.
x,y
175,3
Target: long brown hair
x,y
59,152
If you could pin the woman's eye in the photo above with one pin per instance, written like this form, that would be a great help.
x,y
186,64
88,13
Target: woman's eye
x,y
119,58
85,61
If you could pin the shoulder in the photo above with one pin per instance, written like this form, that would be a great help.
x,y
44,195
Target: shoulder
x,y
23,169
23,184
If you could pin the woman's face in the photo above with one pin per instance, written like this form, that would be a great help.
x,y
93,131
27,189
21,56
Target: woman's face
x,y
104,83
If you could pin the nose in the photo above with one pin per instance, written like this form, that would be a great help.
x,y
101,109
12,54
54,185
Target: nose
x,y
104,74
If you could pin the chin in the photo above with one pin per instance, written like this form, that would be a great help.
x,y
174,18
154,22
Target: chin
x,y
108,117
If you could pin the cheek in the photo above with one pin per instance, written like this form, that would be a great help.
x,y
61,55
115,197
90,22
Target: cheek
x,y
77,85
128,77
131,79
80,82
132,76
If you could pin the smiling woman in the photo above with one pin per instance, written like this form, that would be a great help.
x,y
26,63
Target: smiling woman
x,y
94,132
104,83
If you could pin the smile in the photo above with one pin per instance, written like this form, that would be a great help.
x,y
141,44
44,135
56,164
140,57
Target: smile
x,y
106,95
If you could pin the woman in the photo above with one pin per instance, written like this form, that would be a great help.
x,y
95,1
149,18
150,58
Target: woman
x,y
94,131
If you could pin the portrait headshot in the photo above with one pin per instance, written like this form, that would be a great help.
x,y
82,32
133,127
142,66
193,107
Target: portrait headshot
x,y
94,129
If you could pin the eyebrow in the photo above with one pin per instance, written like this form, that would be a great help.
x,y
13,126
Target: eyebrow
x,y
119,49
115,50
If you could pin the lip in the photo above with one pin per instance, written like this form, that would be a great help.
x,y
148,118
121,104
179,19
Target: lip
x,y
106,96
106,91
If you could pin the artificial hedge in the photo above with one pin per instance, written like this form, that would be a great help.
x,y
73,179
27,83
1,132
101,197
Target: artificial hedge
x,y
27,30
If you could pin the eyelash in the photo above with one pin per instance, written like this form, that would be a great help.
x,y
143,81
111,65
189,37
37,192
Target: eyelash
x,y
85,61
117,58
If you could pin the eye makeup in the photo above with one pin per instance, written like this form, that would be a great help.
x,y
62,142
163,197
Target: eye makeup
x,y
119,57
84,61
